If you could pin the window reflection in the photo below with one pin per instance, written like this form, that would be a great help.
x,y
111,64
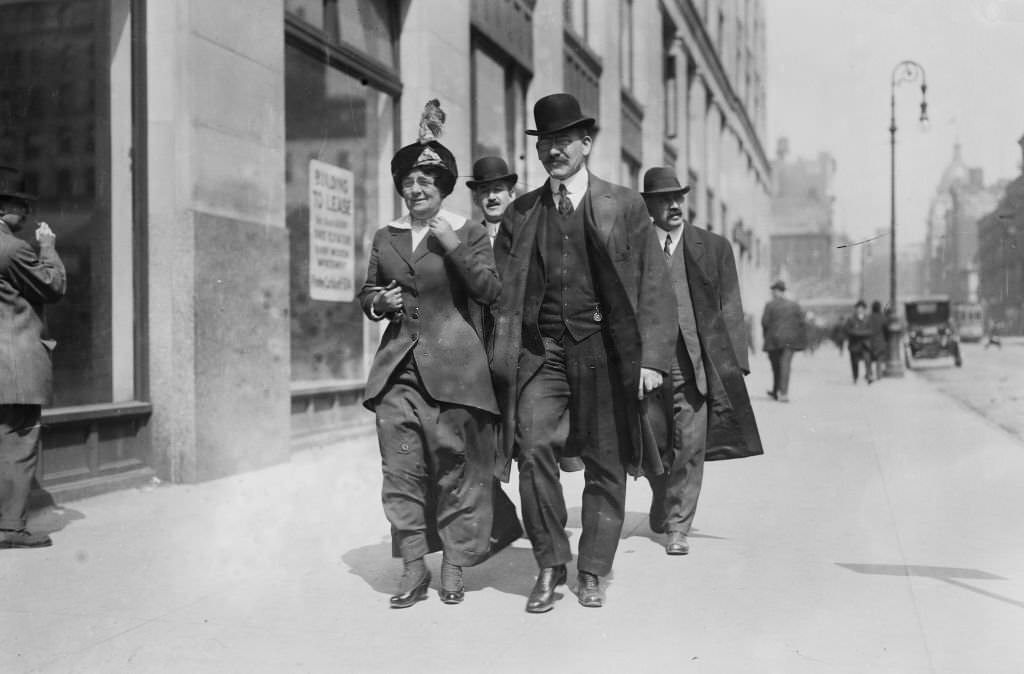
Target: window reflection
x,y
332,117
65,120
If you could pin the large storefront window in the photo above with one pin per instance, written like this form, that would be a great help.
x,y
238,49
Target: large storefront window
x,y
339,134
499,99
66,120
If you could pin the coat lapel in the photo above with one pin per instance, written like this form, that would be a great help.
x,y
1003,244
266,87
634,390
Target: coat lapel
x,y
693,251
602,208
401,241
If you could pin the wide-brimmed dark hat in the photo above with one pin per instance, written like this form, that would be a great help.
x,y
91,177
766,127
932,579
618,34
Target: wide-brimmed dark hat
x,y
431,154
779,285
12,184
662,180
558,112
490,169
427,151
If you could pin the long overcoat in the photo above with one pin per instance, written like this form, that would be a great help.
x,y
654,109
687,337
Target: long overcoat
x,y
27,281
718,311
630,278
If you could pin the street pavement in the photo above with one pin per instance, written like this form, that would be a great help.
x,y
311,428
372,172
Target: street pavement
x,y
991,381
880,532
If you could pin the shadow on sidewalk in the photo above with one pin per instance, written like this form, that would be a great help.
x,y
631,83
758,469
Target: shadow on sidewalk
x,y
947,574
53,518
512,571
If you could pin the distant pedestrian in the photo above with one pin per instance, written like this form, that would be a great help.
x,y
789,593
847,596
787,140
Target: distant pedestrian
x,y
28,280
704,411
859,332
785,332
494,188
992,334
879,341
431,273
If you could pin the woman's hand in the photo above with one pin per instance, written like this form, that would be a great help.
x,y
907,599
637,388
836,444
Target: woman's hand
x,y
444,234
388,299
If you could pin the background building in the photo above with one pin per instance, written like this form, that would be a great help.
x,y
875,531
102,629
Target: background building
x,y
951,238
1001,257
805,246
215,170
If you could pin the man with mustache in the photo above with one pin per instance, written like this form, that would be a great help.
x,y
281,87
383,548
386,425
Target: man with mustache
x,y
494,188
582,331
704,412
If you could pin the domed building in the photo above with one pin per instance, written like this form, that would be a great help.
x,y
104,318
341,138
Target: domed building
x,y
951,242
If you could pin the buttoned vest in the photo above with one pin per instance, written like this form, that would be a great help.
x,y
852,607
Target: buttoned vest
x,y
687,320
570,301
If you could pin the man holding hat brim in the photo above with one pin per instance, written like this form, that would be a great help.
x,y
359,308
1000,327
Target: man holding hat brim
x,y
494,188
28,280
703,411
784,333
582,331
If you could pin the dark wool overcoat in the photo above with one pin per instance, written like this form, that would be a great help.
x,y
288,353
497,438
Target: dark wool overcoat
x,y
718,311
27,281
631,280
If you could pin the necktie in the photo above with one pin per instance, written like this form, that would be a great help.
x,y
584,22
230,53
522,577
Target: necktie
x,y
668,245
564,205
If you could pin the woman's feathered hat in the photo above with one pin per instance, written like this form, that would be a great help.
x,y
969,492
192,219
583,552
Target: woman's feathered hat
x,y
427,151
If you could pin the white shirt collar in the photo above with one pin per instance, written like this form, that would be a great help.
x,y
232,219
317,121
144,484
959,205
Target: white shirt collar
x,y
575,186
677,236
453,219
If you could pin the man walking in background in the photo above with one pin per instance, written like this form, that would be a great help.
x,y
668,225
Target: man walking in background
x,y
704,410
784,334
28,280
494,188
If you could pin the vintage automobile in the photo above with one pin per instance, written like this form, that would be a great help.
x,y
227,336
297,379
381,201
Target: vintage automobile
x,y
931,332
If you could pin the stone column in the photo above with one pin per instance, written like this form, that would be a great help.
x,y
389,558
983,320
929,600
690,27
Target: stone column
x,y
218,337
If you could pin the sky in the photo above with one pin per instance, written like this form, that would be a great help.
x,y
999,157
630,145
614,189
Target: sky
x,y
829,67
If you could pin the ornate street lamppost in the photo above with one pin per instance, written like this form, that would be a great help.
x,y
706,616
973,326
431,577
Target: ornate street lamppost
x,y
905,71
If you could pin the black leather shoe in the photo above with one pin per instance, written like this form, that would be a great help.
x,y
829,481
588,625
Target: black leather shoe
x,y
676,544
452,590
773,395
410,597
542,597
589,590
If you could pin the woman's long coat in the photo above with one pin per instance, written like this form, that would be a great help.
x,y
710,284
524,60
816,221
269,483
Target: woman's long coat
x,y
634,289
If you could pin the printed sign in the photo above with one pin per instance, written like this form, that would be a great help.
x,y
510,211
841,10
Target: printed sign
x,y
331,233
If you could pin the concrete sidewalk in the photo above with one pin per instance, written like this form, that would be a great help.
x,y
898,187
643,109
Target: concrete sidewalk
x,y
881,532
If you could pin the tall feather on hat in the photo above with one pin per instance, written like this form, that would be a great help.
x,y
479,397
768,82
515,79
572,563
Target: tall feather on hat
x,y
427,151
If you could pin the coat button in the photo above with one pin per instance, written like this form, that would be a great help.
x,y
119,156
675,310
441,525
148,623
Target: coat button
x,y
598,317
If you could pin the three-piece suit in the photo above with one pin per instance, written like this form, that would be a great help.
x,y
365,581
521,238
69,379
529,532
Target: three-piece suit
x,y
703,410
583,307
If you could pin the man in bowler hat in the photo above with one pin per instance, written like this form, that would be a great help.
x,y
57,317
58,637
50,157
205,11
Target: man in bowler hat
x,y
703,411
28,280
494,188
784,333
583,330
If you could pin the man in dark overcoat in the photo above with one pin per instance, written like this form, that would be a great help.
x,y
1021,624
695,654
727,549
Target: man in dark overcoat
x,y
784,334
705,395
582,331
28,280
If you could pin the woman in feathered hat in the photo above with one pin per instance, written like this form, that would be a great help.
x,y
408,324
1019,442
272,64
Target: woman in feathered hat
x,y
430,274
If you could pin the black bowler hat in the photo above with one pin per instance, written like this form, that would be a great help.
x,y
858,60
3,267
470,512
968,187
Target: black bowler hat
x,y
662,180
490,169
779,285
558,112
12,184
427,152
